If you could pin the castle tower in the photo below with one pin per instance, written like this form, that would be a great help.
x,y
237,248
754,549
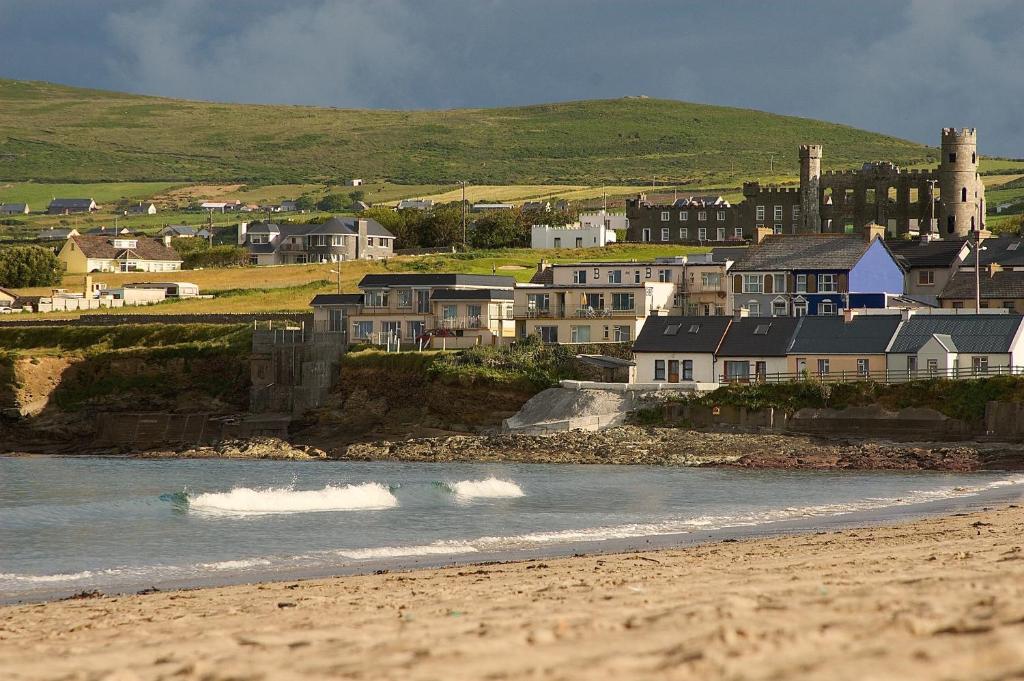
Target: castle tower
x,y
810,184
961,192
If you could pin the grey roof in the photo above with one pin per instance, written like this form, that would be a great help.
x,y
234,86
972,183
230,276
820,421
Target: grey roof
x,y
55,233
108,231
1004,284
260,227
969,333
334,225
545,276
13,207
1006,250
723,253
803,252
605,362
862,335
403,279
471,294
337,299
917,253
183,230
682,334
743,339
71,203
946,341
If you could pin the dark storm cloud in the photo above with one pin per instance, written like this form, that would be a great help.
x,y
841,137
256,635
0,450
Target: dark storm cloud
x,y
906,68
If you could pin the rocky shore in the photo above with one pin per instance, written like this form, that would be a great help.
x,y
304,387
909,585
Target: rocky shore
x,y
253,448
673,447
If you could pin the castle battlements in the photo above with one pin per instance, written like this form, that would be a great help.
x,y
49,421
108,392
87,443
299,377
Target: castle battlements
x,y
960,135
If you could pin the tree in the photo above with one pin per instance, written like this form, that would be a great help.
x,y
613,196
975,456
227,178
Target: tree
x,y
404,225
305,202
442,226
500,229
333,203
22,266
357,195
216,256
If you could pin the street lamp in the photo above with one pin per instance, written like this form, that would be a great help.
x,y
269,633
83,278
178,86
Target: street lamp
x,y
338,272
978,248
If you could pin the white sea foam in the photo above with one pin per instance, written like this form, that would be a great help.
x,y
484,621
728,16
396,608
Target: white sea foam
x,y
491,488
42,579
245,501
435,549
241,564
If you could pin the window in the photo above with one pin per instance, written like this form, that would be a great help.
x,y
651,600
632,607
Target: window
x,y
538,302
659,370
801,365
738,232
375,298
796,214
683,216
932,367
449,311
826,307
664,275
711,279
369,241
622,302
474,316
684,234
253,239
664,233
404,296
826,283
963,195
694,328
422,301
664,216
579,334
958,305
779,308
952,157
702,234
593,301
979,365
579,276
737,371
318,240
720,234
548,334
416,329
777,229
752,283
823,367
558,242
926,277
702,216
623,334
721,216
606,336
754,308
579,242
759,213
760,370
671,329
762,329
614,276
645,234
779,283
391,329
647,274
777,213
362,330
863,366
335,320
337,240
687,369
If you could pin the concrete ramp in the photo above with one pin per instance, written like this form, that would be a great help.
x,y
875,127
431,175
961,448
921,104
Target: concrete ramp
x,y
561,409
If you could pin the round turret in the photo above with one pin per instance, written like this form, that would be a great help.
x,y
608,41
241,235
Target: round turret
x,y
810,183
961,192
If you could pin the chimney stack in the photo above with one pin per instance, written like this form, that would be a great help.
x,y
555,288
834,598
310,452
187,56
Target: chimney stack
x,y
543,265
873,231
761,232
362,227
848,314
243,228
167,240
993,268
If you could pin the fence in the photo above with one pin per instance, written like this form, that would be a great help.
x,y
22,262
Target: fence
x,y
884,376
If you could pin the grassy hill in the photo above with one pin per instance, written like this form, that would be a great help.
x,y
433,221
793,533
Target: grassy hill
x,y
56,133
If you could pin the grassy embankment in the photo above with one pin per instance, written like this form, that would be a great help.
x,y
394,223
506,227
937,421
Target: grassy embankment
x,y
154,366
290,288
60,133
962,399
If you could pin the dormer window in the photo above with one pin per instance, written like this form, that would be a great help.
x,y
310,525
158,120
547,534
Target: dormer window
x,y
126,243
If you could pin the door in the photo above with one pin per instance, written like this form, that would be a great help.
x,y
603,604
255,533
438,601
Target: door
x,y
673,371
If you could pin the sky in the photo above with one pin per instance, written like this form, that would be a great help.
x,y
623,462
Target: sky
x,y
903,67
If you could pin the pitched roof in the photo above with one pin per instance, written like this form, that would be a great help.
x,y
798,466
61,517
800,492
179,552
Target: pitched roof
x,y
71,203
1006,249
1003,284
471,294
723,253
969,333
337,299
759,337
55,233
481,280
13,207
545,276
102,247
681,334
864,334
917,253
803,252
334,225
179,229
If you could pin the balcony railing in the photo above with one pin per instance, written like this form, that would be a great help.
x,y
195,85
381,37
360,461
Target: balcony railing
x,y
881,376
530,312
474,322
568,312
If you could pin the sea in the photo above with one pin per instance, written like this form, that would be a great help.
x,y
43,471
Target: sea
x,y
117,525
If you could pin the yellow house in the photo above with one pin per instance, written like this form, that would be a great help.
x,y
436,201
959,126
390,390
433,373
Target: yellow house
x,y
81,254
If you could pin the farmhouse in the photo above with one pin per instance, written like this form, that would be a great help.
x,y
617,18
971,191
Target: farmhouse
x,y
82,254
335,240
14,209
68,206
147,208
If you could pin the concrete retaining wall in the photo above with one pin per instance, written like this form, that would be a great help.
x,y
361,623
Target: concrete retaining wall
x,y
875,421
147,430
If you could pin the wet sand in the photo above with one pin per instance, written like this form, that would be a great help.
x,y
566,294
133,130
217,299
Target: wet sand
x,y
932,599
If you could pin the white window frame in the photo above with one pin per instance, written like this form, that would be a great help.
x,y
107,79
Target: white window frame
x,y
801,283
664,234
833,283
702,234
645,234
738,232
830,311
702,216
777,213
684,233
684,216
665,216
759,214
721,216
753,283
776,288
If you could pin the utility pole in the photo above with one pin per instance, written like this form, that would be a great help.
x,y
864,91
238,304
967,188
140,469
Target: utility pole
x,y
977,271
464,239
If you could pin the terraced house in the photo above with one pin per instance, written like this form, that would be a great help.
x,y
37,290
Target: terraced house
x,y
421,310
597,302
336,240
816,274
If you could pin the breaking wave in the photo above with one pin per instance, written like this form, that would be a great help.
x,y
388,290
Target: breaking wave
x,y
245,501
491,488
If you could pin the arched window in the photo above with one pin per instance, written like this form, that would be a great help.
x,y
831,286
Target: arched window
x,y
950,223
974,157
963,195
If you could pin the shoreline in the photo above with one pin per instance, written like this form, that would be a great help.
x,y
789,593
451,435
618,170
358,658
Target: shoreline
x,y
945,590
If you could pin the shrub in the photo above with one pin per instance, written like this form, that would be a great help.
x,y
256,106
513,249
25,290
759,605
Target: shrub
x,y
22,266
216,256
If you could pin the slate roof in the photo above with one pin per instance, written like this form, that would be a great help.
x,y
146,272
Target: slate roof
x,y
1006,250
723,253
545,276
102,247
472,294
401,279
1004,284
83,204
863,335
987,333
742,340
55,233
180,230
803,252
334,225
707,337
108,231
13,208
337,299
916,253
260,227
141,207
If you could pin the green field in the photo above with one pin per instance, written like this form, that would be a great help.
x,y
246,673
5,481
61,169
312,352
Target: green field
x,y
62,134
38,196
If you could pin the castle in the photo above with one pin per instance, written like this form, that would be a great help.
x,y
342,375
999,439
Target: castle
x,y
948,201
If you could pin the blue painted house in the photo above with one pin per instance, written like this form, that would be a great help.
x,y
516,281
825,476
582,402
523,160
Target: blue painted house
x,y
816,274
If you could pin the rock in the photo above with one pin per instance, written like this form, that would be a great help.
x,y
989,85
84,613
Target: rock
x,y
256,448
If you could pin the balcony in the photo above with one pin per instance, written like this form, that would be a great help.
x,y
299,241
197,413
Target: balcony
x,y
531,312
567,312
474,322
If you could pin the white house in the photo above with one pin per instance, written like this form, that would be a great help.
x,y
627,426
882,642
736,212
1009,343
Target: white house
x,y
756,347
679,349
593,230
943,343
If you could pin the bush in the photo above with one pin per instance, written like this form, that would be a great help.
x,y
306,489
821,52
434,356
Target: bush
x,y
333,203
22,266
216,256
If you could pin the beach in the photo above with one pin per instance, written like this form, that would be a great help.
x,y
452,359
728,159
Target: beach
x,y
941,597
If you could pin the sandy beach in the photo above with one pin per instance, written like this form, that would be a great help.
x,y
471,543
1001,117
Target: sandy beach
x,y
930,599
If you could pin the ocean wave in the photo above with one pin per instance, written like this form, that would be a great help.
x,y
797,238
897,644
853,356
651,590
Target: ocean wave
x,y
435,549
490,488
368,496
70,577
